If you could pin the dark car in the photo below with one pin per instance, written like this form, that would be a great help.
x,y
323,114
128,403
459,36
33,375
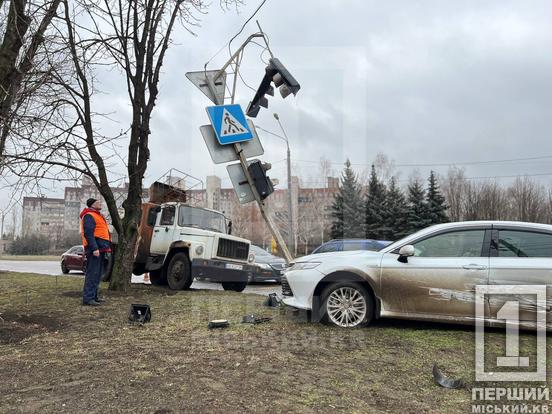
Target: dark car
x,y
270,267
73,259
341,245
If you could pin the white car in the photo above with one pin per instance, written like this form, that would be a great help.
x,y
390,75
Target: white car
x,y
429,275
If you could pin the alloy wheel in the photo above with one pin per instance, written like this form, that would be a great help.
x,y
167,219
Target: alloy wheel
x,y
346,307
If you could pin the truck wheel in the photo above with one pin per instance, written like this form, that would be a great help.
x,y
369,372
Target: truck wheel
x,y
158,277
179,275
235,286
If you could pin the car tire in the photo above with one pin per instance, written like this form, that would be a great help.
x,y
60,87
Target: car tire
x,y
179,272
158,277
64,268
235,286
347,305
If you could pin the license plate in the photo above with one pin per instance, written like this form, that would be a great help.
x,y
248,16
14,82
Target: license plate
x,y
234,266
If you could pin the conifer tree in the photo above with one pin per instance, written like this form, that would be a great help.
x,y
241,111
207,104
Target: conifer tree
x,y
395,212
435,201
375,208
418,211
348,208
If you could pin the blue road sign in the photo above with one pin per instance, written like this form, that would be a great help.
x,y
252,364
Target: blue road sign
x,y
229,124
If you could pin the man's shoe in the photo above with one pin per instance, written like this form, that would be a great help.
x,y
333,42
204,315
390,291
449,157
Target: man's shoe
x,y
92,303
100,299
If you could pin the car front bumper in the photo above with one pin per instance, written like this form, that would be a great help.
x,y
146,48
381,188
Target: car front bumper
x,y
222,271
299,287
264,275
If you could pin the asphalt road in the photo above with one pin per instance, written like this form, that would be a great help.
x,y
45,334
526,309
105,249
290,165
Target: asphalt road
x,y
53,269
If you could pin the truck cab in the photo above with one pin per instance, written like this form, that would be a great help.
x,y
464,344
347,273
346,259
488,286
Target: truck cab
x,y
178,242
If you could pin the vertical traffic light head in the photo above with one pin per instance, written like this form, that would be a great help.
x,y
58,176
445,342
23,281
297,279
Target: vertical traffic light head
x,y
277,73
262,182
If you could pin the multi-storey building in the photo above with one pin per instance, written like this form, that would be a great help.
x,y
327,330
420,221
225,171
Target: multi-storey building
x,y
310,219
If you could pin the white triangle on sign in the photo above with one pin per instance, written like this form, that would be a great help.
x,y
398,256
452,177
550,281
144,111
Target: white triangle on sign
x,y
230,125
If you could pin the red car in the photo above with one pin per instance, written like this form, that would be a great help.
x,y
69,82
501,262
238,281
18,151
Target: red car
x,y
73,259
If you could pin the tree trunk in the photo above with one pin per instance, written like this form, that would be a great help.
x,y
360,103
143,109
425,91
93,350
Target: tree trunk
x,y
124,258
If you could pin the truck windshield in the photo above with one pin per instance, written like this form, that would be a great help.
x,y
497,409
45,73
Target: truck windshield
x,y
202,219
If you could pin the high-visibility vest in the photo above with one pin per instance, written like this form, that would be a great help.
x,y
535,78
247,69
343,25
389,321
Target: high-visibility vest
x,y
100,232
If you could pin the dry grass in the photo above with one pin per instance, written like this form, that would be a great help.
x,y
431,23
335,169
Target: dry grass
x,y
57,356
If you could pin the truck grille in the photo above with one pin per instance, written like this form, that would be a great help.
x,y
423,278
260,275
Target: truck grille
x,y
232,249
286,290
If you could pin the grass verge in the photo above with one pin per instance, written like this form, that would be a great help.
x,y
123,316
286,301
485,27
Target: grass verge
x,y
21,258
57,356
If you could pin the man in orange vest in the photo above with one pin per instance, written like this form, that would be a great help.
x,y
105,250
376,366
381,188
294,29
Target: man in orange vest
x,y
97,242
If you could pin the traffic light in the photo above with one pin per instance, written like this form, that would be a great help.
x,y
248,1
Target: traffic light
x,y
263,184
277,73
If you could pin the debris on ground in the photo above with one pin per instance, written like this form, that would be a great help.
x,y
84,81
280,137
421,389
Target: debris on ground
x,y
255,319
444,381
272,301
218,323
139,314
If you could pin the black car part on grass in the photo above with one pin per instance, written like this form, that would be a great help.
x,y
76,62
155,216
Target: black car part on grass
x,y
272,301
218,323
255,319
444,381
139,313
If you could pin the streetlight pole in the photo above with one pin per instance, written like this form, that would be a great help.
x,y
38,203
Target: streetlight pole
x,y
291,239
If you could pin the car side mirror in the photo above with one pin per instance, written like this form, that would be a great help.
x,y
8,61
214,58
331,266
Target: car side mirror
x,y
405,252
229,226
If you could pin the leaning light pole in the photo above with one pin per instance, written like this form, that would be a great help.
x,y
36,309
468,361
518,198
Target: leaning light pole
x,y
291,238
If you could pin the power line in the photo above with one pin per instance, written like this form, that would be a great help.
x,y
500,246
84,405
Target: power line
x,y
236,35
440,164
243,26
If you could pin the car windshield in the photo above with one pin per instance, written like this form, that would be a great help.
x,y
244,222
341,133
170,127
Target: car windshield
x,y
259,251
202,219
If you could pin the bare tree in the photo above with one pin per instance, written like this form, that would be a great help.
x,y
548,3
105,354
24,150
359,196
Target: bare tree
x,y
134,37
24,24
527,200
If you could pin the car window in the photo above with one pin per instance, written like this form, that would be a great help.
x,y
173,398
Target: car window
x,y
167,216
355,245
259,251
467,243
513,243
329,247
79,250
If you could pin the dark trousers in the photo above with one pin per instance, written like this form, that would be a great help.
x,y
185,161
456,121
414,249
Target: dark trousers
x,y
93,277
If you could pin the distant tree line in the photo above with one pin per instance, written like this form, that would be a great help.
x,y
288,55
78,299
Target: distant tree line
x,y
36,244
383,211
523,200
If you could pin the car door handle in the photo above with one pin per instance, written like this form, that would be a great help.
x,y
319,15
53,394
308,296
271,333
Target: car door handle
x,y
156,231
474,267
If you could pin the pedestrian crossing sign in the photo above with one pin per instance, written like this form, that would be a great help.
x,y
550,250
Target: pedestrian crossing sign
x,y
229,124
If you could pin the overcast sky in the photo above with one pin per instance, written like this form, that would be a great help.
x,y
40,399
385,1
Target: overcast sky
x,y
424,82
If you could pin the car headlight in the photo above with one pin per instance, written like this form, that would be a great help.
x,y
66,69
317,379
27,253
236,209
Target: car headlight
x,y
251,257
199,250
303,266
264,266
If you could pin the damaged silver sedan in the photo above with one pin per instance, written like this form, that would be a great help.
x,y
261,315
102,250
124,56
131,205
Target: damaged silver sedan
x,y
429,275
